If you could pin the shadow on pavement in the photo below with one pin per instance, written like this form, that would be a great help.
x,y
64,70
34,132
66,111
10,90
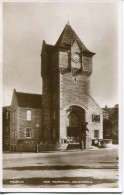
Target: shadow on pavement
x,y
63,167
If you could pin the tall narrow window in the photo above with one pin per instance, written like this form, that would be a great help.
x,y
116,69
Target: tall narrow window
x,y
96,133
28,115
28,133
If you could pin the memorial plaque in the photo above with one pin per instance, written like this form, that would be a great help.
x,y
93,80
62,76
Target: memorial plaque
x,y
95,118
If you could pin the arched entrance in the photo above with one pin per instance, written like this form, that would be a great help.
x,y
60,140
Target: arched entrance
x,y
75,121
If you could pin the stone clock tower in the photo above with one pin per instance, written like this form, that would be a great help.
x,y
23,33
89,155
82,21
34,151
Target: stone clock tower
x,y
67,103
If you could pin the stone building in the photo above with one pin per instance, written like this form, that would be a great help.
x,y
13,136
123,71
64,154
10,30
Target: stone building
x,y
25,121
6,128
67,104
65,112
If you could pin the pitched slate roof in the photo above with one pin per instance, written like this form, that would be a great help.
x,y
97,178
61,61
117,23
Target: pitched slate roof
x,y
29,100
68,37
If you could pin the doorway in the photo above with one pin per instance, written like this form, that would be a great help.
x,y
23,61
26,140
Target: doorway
x,y
75,119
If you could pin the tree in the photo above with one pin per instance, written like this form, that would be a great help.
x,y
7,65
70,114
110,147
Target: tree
x,y
110,125
107,128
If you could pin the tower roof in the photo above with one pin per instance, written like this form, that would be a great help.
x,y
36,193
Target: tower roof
x,y
67,38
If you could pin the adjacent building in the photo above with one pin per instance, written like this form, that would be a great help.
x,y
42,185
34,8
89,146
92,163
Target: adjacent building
x,y
25,121
6,128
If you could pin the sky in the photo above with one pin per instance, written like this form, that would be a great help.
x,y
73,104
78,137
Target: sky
x,y
26,25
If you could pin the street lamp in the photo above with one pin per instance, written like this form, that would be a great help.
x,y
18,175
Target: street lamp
x,y
86,130
37,126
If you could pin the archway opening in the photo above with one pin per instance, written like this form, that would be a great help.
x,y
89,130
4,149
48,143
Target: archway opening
x,y
75,121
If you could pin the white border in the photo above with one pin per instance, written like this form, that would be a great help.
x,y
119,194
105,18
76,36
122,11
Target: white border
x,y
121,81
120,87
1,95
69,1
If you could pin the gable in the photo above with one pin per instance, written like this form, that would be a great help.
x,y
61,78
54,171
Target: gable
x,y
75,47
14,102
67,38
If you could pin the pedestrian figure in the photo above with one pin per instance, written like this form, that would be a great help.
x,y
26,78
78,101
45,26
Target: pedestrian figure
x,y
81,141
36,148
99,144
82,145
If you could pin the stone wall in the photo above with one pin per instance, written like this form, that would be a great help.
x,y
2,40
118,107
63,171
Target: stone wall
x,y
36,116
63,88
50,97
55,94
75,90
13,122
18,125
25,144
26,147
6,128
94,109
46,95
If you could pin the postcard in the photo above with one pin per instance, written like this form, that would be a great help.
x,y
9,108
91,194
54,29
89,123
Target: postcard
x,y
61,102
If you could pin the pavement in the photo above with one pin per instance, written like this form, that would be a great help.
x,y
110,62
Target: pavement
x,y
70,169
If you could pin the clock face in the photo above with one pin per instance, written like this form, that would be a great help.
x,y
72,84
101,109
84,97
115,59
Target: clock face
x,y
75,57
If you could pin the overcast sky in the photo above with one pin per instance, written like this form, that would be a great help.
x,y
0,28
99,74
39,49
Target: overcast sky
x,y
26,25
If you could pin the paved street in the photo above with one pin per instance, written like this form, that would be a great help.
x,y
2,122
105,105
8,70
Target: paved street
x,y
72,169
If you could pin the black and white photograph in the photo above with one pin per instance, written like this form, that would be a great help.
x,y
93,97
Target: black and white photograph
x,y
61,96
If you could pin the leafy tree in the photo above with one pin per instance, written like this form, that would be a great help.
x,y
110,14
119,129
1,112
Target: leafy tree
x,y
110,125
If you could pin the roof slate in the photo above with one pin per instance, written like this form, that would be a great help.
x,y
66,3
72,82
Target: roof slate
x,y
67,38
29,100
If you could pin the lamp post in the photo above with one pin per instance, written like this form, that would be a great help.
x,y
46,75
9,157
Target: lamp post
x,y
37,126
86,130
